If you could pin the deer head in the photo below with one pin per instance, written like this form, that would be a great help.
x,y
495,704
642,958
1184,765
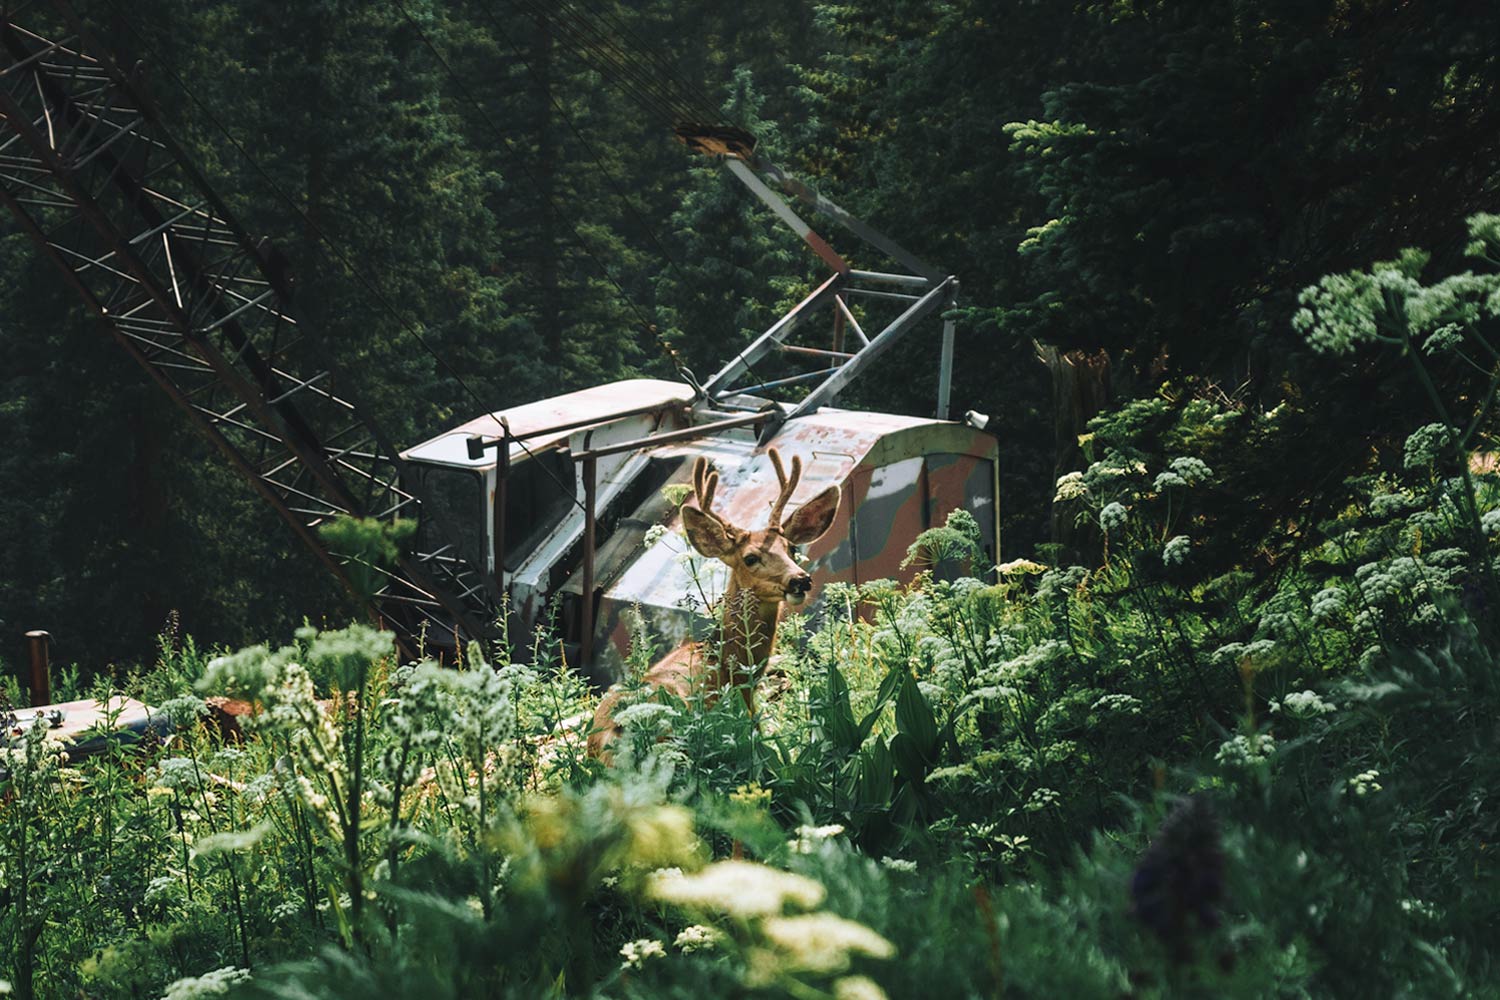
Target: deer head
x,y
762,562
763,574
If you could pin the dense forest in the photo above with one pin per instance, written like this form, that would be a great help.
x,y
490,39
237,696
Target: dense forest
x,y
1222,720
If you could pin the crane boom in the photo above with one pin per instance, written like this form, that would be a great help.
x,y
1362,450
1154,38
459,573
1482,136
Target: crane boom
x,y
96,181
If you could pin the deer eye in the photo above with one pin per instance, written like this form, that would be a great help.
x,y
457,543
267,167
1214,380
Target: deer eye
x,y
751,559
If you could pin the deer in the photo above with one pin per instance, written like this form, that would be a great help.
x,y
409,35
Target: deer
x,y
764,579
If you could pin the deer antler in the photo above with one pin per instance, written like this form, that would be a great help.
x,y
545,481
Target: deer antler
x,y
788,485
705,481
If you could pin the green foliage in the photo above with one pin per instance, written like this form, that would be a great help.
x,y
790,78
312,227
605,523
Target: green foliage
x,y
366,547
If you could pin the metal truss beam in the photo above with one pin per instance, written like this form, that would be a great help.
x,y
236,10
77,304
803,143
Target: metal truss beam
x,y
102,189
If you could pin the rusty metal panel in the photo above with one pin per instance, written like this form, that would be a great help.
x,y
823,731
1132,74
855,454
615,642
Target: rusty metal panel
x,y
899,475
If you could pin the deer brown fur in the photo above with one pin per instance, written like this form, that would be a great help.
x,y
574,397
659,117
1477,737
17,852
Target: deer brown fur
x,y
764,577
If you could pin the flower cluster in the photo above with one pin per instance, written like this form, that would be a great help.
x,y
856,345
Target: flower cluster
x,y
697,937
217,983
1303,705
1070,487
1177,550
635,953
1426,445
1113,517
1329,604
1246,751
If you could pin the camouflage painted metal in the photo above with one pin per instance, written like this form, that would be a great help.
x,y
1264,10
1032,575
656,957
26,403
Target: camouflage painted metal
x,y
899,476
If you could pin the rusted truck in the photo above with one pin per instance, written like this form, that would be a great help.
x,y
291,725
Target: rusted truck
x,y
590,474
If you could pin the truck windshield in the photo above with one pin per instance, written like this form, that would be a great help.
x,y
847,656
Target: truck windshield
x,y
535,502
453,510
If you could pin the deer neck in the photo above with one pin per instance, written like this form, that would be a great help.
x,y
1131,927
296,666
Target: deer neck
x,y
749,634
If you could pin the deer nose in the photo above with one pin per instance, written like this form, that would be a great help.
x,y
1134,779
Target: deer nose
x,y
800,584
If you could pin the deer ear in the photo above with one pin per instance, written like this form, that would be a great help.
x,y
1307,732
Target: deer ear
x,y
709,535
812,518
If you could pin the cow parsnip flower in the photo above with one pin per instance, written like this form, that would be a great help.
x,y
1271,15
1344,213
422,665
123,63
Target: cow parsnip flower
x,y
635,953
737,888
1426,444
697,937
217,983
1070,487
809,837
1177,550
857,988
823,942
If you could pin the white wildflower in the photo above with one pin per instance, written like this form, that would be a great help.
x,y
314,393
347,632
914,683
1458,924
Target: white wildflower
x,y
1042,798
1303,705
823,942
809,837
1070,487
1365,783
1177,550
1113,517
1426,444
1328,604
636,952
1167,480
898,865
1447,336
185,710
738,888
1489,521
697,937
654,534
1245,751
646,714
162,889
211,984
1020,567
230,840
1122,704
857,988
1192,470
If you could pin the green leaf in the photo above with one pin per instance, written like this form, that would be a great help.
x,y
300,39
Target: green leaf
x,y
910,760
877,779
914,719
838,717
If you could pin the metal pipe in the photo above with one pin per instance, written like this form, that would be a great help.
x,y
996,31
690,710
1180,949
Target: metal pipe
x,y
816,352
686,434
871,293
574,425
41,667
502,473
586,615
784,212
864,231
843,307
792,380
945,358
886,278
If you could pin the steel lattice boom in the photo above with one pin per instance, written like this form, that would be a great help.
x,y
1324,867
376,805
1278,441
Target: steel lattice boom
x,y
99,185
